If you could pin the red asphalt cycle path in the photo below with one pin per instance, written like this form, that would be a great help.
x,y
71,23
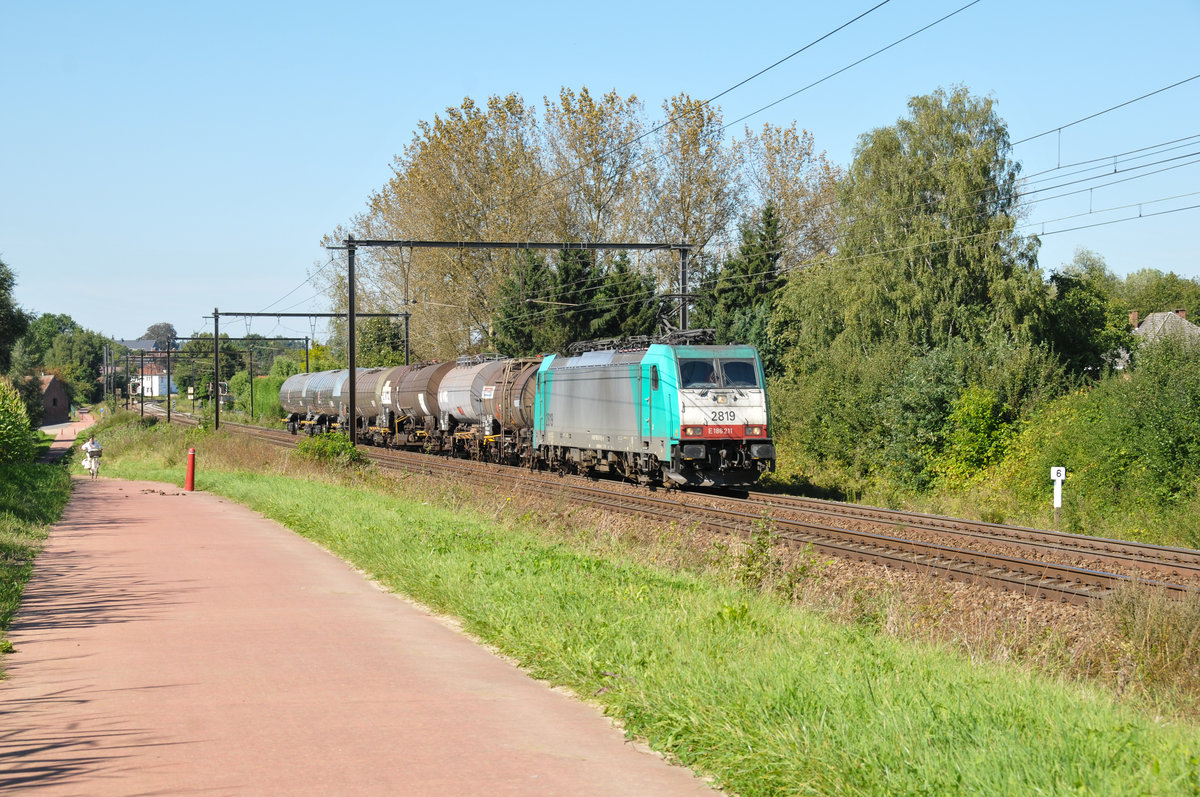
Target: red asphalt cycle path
x,y
177,643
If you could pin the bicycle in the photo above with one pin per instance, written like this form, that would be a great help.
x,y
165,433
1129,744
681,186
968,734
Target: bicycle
x,y
92,463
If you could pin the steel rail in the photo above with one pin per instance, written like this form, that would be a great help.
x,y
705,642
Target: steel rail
x,y
1125,552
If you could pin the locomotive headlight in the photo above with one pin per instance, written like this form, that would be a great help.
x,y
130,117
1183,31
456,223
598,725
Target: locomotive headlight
x,y
755,431
693,431
721,399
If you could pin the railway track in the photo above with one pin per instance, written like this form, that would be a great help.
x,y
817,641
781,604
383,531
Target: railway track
x,y
1156,561
944,547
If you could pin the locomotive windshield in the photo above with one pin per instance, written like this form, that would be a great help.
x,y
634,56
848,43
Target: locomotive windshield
x,y
701,374
697,374
739,373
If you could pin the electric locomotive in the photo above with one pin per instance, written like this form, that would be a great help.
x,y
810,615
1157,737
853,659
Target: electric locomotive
x,y
690,415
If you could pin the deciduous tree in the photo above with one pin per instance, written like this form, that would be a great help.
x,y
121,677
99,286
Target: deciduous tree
x,y
698,191
13,320
1086,322
43,329
1149,290
596,175
472,174
928,251
162,333
380,343
785,172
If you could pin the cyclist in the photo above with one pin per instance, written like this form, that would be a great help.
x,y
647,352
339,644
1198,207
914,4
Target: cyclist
x,y
92,451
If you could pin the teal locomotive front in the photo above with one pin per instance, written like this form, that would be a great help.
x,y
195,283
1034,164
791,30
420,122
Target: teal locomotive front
x,y
688,415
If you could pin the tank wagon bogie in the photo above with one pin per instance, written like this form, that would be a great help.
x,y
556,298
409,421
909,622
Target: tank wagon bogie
x,y
657,414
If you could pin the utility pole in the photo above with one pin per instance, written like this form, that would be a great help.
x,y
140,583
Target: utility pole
x,y
170,345
142,380
350,347
683,290
217,367
250,370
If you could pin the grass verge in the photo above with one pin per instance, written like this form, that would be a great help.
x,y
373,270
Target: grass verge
x,y
767,698
31,498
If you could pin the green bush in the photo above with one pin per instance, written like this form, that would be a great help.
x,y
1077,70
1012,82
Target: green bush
x,y
831,407
976,436
266,396
332,447
16,438
932,420
1131,445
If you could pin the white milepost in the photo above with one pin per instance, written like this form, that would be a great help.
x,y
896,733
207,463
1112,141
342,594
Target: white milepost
x,y
1058,474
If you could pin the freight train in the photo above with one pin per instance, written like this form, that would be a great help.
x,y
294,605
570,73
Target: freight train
x,y
653,413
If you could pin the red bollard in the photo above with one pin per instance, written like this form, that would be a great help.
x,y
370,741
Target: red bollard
x,y
189,483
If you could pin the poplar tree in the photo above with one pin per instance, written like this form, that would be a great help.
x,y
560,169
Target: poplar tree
x,y
698,184
784,170
594,151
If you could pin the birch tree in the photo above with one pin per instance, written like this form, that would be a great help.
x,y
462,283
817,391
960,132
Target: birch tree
x,y
928,250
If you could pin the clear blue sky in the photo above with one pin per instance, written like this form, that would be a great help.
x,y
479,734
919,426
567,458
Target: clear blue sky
x,y
161,159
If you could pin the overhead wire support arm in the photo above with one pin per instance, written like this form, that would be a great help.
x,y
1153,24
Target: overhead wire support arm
x,y
310,315
562,245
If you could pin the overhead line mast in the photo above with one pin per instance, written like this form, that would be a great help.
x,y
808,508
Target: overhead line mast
x,y
351,244
217,342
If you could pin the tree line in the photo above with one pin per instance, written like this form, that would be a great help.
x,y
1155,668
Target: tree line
x,y
587,168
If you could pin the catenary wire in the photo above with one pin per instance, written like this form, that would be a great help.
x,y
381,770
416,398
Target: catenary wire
x,y
624,144
1106,110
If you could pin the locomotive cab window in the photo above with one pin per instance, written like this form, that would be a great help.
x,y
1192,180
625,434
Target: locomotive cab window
x,y
654,377
739,373
697,374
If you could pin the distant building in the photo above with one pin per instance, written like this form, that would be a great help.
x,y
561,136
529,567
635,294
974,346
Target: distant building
x,y
1160,325
153,382
56,406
